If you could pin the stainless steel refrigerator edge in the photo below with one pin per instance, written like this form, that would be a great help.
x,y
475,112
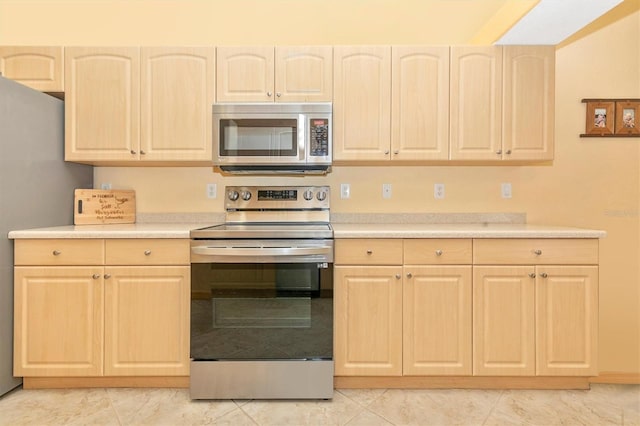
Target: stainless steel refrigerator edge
x,y
36,188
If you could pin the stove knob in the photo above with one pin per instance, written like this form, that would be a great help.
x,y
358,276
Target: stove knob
x,y
321,195
246,195
308,195
233,195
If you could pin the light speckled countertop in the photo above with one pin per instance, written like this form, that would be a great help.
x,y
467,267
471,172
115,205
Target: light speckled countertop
x,y
133,230
341,230
460,230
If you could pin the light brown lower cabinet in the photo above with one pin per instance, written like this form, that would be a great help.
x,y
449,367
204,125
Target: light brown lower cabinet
x,y
78,320
424,307
402,320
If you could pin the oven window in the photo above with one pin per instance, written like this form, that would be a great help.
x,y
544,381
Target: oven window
x,y
259,137
261,311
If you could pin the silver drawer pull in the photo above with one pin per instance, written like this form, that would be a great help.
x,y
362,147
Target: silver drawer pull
x,y
438,252
95,276
544,275
107,276
537,252
409,274
532,275
369,252
398,276
147,252
56,252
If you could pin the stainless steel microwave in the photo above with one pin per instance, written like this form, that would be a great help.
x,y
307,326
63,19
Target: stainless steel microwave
x,y
272,137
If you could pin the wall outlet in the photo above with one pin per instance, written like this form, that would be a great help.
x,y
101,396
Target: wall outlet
x,y
345,191
386,190
506,190
438,191
212,190
106,185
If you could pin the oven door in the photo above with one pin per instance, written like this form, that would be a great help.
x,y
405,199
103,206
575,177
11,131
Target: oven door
x,y
259,139
245,307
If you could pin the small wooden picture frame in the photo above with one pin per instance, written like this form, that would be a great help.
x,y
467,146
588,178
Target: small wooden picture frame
x,y
600,118
627,118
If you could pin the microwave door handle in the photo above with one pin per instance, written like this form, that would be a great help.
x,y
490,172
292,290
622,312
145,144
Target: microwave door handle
x,y
259,251
303,137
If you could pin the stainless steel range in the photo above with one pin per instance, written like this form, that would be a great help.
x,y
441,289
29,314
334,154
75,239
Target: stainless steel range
x,y
262,297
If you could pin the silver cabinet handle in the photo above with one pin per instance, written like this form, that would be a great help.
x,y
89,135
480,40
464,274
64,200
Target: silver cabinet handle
x,y
56,252
532,275
269,94
386,152
142,152
278,94
107,276
508,152
398,276
499,152
147,252
133,152
95,276
537,252
409,274
369,252
396,152
544,275
438,252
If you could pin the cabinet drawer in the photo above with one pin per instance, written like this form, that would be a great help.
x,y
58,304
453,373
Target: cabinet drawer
x,y
59,252
437,251
368,252
147,252
535,251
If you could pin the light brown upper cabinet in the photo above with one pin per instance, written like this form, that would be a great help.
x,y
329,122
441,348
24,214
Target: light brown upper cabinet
x,y
502,103
528,102
362,103
420,103
274,74
149,105
476,103
39,67
102,103
177,91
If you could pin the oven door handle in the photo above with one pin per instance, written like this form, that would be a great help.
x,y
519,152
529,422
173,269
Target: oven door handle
x,y
261,251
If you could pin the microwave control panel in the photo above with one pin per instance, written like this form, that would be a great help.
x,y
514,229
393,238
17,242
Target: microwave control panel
x,y
319,131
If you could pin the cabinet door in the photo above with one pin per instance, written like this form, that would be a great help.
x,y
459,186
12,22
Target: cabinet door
x,y
437,320
567,315
245,74
58,314
362,103
147,321
503,321
304,73
476,101
177,91
368,321
420,103
39,67
102,103
529,105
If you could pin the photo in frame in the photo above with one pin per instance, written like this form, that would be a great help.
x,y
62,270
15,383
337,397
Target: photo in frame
x,y
627,118
600,118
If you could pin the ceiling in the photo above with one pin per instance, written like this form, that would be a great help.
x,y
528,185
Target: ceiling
x,y
552,21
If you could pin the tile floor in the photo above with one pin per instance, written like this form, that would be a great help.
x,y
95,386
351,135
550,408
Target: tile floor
x,y
602,405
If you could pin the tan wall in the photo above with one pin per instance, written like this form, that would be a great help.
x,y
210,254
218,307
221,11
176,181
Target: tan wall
x,y
593,182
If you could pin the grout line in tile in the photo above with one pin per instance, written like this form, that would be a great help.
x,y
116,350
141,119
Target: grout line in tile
x,y
493,407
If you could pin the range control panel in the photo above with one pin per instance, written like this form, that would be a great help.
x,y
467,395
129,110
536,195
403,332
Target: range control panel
x,y
284,198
